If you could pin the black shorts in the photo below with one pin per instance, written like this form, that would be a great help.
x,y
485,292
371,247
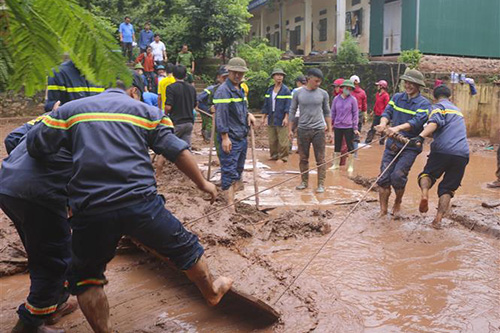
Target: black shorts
x,y
95,239
452,166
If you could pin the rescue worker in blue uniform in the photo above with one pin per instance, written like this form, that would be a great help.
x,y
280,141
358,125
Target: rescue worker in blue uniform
x,y
112,191
449,152
205,103
277,102
68,84
232,120
33,195
407,112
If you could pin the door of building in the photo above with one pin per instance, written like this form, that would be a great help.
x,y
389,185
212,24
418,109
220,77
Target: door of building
x,y
392,27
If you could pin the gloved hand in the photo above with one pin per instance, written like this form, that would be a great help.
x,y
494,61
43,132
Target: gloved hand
x,y
417,141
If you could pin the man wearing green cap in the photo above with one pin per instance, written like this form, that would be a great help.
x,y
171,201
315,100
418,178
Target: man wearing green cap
x,y
407,113
277,102
232,120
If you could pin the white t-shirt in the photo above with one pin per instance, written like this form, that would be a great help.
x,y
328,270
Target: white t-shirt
x,y
274,94
158,49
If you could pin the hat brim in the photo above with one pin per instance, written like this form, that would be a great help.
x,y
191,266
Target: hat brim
x,y
240,69
413,80
281,73
347,85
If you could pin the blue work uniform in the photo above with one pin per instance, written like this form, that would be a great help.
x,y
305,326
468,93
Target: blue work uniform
x,y
449,149
68,84
112,191
281,106
204,100
231,118
400,110
33,195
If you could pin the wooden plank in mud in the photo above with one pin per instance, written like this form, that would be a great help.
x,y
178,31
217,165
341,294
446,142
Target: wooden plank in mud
x,y
233,297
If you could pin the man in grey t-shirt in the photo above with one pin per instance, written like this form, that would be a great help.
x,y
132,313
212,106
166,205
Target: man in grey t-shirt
x,y
314,118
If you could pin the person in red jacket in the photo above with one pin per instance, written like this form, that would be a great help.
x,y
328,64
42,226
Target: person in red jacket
x,y
381,100
148,62
337,91
360,96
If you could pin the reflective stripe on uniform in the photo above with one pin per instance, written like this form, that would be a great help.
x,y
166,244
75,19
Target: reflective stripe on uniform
x,y
75,89
207,91
267,95
40,311
445,112
113,117
95,282
228,100
284,97
400,109
36,120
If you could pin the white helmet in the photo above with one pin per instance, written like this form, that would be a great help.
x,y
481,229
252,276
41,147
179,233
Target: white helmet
x,y
355,78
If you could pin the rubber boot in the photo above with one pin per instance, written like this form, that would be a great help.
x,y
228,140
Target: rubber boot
x,y
320,189
356,145
336,161
350,164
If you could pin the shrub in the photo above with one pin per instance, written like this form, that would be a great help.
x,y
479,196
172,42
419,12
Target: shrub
x,y
261,60
350,52
411,58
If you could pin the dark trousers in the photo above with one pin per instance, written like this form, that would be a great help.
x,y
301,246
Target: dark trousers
x,y
453,168
150,81
232,164
316,138
397,175
127,50
46,236
371,132
340,134
184,131
95,239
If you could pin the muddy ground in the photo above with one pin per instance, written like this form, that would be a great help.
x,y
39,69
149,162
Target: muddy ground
x,y
374,275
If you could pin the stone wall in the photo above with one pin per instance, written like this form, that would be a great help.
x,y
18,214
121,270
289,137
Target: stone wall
x,y
17,105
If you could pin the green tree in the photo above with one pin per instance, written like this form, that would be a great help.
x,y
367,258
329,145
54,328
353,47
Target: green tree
x,y
39,32
229,24
261,60
411,58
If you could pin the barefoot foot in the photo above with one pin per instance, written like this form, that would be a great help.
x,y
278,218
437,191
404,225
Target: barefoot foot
x,y
221,286
424,205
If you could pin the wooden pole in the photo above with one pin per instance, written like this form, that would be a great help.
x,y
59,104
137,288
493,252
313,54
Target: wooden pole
x,y
212,142
254,160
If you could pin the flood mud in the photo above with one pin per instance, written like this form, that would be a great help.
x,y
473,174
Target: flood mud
x,y
375,275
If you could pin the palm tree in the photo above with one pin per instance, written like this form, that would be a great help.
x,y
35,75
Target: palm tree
x,y
35,34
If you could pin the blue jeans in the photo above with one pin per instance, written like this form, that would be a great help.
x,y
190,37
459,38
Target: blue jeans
x,y
46,236
397,175
232,164
95,239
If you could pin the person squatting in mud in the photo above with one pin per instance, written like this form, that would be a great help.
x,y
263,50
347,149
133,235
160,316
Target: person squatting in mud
x,y
232,120
407,113
125,200
449,152
33,195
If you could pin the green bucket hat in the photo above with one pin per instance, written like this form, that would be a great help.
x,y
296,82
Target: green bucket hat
x,y
278,71
138,66
237,64
414,76
347,83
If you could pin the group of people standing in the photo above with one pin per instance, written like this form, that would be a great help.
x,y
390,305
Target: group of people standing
x,y
400,121
305,112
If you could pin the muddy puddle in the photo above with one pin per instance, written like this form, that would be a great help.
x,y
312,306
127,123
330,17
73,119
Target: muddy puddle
x,y
375,275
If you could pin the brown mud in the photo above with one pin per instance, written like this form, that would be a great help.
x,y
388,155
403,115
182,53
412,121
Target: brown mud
x,y
375,275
